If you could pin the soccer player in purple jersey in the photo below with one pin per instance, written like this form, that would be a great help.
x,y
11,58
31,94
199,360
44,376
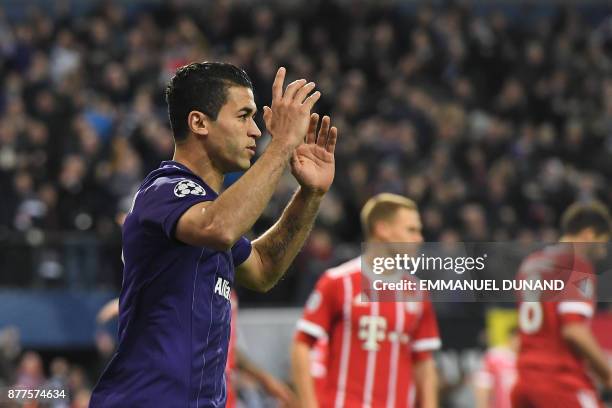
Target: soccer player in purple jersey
x,y
183,243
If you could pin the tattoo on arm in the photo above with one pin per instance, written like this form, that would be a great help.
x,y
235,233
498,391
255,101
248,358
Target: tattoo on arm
x,y
281,243
278,245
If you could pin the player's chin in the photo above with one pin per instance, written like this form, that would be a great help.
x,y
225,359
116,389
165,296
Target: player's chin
x,y
243,164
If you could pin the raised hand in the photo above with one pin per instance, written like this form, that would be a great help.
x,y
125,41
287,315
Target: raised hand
x,y
288,119
313,163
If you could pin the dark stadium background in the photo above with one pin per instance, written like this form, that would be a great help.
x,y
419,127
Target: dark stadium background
x,y
492,115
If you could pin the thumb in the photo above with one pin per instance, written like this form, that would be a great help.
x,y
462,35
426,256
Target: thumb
x,y
267,114
294,158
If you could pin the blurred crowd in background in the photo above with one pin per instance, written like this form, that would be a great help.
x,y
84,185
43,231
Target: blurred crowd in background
x,y
493,119
25,370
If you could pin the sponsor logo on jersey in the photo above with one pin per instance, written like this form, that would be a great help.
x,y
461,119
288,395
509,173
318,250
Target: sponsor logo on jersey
x,y
223,288
373,331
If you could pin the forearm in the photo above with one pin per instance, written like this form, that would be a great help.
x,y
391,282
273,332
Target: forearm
x,y
481,396
237,208
579,336
300,369
249,367
426,379
279,245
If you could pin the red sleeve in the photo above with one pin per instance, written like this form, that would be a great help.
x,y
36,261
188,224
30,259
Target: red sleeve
x,y
580,303
320,310
575,311
426,337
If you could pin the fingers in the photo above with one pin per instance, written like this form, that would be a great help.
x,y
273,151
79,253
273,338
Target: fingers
x,y
303,92
267,115
324,131
290,111
298,89
311,135
283,393
312,99
327,135
331,139
292,89
277,86
294,158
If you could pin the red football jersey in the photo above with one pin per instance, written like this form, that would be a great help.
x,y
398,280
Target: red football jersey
x,y
544,355
318,366
371,345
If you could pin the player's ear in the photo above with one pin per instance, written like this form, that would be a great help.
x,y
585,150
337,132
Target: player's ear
x,y
380,230
588,234
198,123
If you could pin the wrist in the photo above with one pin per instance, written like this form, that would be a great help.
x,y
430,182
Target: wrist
x,y
281,147
266,381
312,193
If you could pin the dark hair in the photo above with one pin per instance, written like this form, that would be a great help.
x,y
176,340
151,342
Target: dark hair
x,y
580,216
200,86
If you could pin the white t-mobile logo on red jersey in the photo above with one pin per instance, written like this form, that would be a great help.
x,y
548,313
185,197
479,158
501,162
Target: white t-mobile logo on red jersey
x,y
372,329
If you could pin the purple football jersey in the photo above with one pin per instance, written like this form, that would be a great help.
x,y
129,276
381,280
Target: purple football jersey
x,y
175,312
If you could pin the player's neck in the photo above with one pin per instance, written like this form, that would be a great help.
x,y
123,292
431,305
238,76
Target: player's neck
x,y
569,238
580,244
576,238
200,166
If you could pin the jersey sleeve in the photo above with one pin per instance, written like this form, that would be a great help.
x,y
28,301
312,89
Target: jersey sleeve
x,y
580,305
241,250
165,200
426,337
320,310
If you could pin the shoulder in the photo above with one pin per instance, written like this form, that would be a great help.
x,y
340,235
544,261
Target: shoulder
x,y
536,261
547,260
182,181
331,281
583,265
349,268
173,182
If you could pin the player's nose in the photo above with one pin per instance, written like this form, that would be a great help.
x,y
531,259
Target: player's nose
x,y
253,130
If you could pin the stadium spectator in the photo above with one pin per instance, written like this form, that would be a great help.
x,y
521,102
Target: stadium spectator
x,y
30,373
10,348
